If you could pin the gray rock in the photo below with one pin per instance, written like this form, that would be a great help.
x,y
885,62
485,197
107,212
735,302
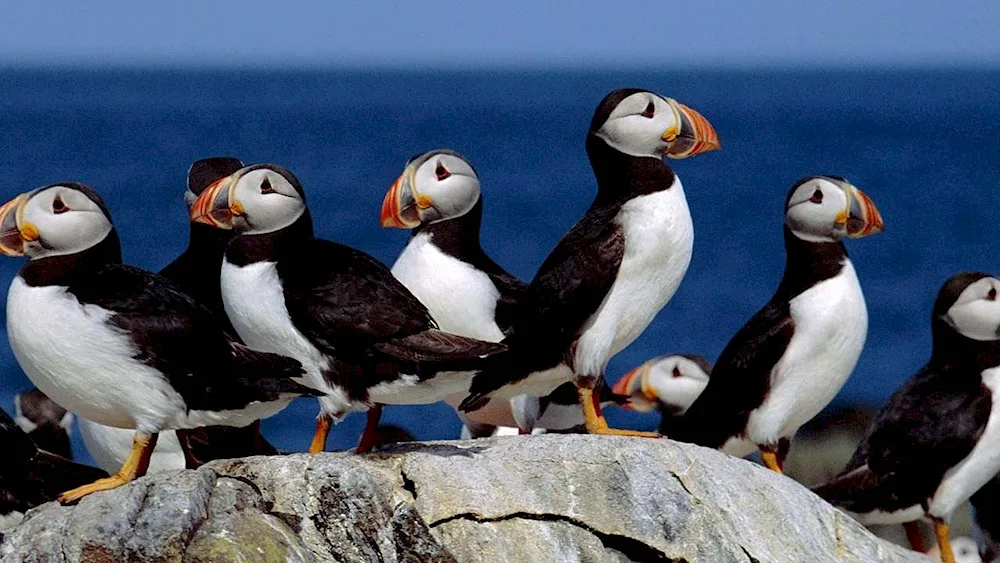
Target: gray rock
x,y
559,498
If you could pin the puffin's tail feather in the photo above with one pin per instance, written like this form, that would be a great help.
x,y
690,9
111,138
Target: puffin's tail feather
x,y
848,488
270,373
437,350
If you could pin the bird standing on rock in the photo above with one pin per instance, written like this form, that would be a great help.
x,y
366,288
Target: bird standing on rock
x,y
609,276
118,345
937,440
793,356
361,336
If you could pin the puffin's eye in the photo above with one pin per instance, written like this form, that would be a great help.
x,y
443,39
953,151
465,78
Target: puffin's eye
x,y
992,295
817,196
676,372
265,186
58,206
441,172
649,111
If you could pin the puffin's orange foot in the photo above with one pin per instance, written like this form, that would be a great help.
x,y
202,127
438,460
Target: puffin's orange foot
x,y
595,421
106,484
318,443
772,462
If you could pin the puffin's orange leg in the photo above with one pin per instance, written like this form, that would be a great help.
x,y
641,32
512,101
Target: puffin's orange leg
x,y
594,418
914,536
135,466
943,533
769,455
371,424
318,443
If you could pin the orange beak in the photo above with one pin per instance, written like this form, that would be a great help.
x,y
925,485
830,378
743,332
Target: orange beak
x,y
631,385
863,219
213,207
11,238
696,134
399,208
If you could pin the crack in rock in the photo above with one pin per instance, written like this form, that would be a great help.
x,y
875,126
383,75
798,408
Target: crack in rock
x,y
632,548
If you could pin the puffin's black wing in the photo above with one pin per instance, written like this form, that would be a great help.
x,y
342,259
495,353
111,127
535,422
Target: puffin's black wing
x,y
928,426
568,288
740,379
349,305
29,476
185,341
512,291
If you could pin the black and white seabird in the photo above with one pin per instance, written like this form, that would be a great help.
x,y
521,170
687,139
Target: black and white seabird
x,y
937,440
45,422
30,476
438,196
362,337
118,345
792,357
196,272
668,384
609,276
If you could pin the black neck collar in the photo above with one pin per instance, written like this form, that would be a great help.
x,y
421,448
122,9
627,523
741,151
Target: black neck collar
x,y
621,177
457,237
808,263
207,241
65,270
952,350
268,247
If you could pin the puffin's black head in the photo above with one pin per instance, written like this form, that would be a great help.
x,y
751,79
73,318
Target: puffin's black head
x,y
967,304
828,208
257,199
674,380
642,123
54,220
435,186
207,171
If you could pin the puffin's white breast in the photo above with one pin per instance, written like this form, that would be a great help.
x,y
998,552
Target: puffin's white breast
x,y
460,298
255,304
659,238
831,324
85,365
982,463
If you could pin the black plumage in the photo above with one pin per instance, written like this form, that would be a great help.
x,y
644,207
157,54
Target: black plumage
x,y
30,476
50,422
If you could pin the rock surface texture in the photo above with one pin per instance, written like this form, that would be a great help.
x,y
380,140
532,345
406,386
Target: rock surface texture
x,y
548,498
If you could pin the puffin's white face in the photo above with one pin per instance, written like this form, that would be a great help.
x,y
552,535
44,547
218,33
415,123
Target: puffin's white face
x,y
672,382
254,200
52,221
643,124
435,186
826,209
976,312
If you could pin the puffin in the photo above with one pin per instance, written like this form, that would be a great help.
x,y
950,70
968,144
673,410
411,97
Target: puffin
x,y
30,476
196,272
444,265
937,440
793,356
45,422
119,345
363,339
668,384
612,272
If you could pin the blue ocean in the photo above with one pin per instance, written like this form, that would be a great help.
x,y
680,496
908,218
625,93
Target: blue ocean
x,y
925,145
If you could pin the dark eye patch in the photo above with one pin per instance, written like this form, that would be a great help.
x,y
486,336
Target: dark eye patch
x,y
265,186
992,295
649,111
58,206
817,196
441,172
677,371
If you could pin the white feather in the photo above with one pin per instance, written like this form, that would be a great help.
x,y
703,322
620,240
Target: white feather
x,y
831,323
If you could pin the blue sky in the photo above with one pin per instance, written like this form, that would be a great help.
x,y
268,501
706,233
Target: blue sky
x,y
509,33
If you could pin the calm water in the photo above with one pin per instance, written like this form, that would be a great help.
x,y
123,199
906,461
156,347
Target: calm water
x,y
924,145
